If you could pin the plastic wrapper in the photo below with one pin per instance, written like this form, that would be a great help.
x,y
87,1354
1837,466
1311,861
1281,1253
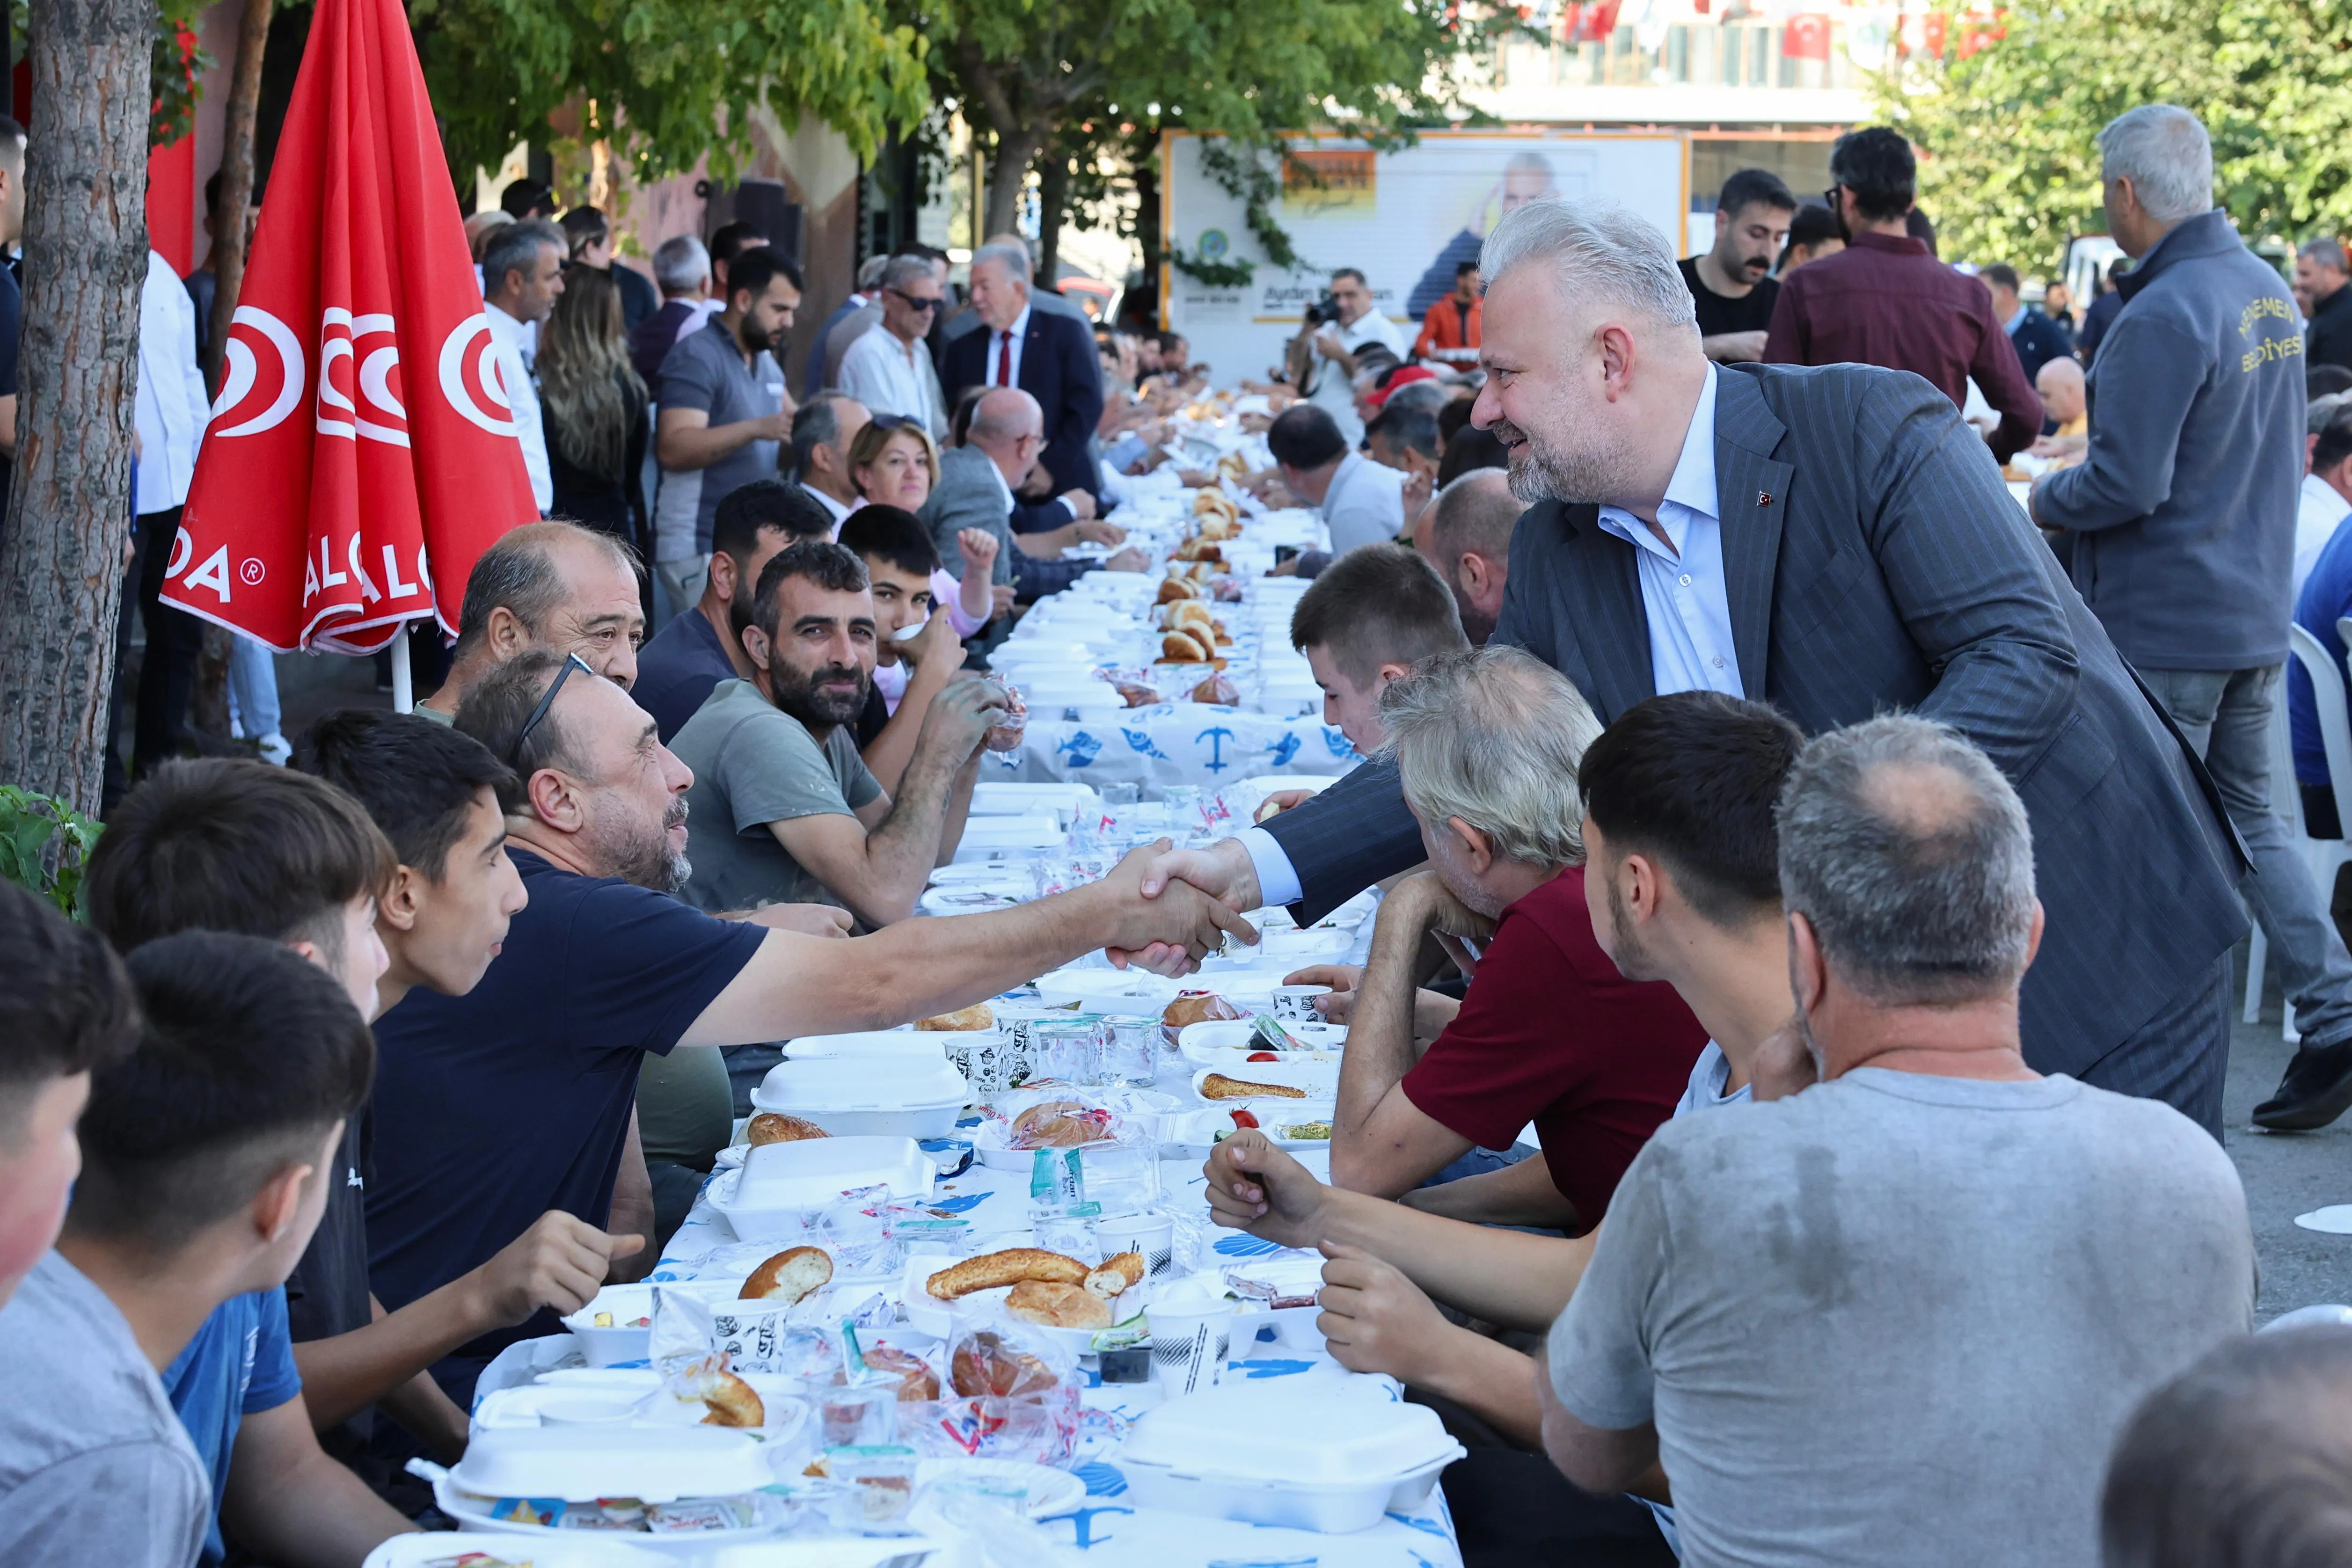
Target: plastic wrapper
x,y
751,1336
1022,1404
1218,691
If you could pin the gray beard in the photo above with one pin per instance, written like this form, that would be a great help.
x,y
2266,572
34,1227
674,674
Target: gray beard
x,y
1588,477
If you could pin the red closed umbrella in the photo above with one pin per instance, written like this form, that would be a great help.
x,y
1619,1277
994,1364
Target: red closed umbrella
x,y
362,451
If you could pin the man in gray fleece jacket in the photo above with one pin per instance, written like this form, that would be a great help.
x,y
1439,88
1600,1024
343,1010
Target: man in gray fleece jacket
x,y
2182,526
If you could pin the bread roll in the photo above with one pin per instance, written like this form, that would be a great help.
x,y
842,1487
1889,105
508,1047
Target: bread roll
x,y
775,1127
790,1276
1135,696
983,1367
964,1020
916,1381
1174,587
1177,647
1058,1306
1217,1086
1197,1007
1010,1267
1116,1274
1217,691
731,1400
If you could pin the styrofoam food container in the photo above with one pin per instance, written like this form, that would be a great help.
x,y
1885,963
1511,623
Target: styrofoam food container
x,y
1196,1132
892,1095
780,1184
578,1549
1319,1080
930,1315
1214,1039
621,1342
568,1404
869,1042
575,1462
1120,992
840,1551
1332,1462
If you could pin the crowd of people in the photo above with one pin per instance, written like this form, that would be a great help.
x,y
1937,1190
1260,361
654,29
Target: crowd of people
x,y
1838,865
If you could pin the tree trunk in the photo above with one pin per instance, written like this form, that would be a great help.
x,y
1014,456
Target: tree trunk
x,y
1053,192
236,181
1008,174
69,519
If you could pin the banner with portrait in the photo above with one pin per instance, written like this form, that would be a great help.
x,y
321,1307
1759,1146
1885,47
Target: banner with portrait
x,y
1405,219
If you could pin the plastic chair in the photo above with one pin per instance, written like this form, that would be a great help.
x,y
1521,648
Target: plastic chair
x,y
2321,857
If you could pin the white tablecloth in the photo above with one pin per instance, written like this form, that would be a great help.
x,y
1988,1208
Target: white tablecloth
x,y
1172,744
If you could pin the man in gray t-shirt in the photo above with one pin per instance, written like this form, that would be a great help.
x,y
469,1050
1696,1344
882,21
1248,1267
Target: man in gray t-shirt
x,y
782,806
1902,1315
723,413
94,1464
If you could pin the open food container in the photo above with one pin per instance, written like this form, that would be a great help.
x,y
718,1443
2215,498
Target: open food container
x,y
1316,1080
780,1187
630,1397
908,1095
439,1549
683,1490
1332,1462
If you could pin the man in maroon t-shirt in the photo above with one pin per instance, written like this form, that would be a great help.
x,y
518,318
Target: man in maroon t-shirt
x,y
1549,1031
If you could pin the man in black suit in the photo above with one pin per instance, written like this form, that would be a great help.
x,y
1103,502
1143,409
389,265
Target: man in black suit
x,y
1051,357
1832,541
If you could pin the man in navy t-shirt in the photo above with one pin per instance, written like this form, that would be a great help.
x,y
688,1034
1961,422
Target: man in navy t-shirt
x,y
514,1099
677,671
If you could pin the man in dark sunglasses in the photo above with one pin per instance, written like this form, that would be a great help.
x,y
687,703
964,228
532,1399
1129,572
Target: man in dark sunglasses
x,y
494,1107
890,368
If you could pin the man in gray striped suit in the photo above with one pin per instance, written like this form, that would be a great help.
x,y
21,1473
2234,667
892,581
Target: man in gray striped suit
x,y
1834,541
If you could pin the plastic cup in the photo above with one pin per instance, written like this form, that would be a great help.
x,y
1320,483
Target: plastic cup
x,y
1296,1004
858,1415
1189,1346
1152,1235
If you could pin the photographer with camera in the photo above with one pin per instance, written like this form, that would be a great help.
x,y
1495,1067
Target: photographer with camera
x,y
1336,336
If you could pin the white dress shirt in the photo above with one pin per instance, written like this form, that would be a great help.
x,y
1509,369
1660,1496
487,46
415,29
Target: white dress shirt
x,y
698,311
1364,505
1683,599
171,407
891,377
997,343
523,396
838,510
1334,391
2318,510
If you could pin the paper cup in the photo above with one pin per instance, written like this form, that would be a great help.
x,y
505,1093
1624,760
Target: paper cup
x,y
1153,1235
1296,1004
1189,1347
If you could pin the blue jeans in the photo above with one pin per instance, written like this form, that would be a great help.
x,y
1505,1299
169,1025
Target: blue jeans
x,y
2226,717
253,688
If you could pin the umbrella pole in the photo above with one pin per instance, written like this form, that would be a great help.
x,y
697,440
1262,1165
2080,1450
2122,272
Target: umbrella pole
x,y
403,689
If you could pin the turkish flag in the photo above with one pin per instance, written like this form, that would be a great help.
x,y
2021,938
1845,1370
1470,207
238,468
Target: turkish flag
x,y
1806,37
362,451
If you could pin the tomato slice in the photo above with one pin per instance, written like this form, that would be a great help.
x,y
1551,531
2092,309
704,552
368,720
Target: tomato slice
x,y
1263,1056
1245,1119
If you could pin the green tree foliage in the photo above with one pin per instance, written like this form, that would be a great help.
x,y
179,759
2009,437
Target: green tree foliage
x,y
2011,168
1078,75
666,81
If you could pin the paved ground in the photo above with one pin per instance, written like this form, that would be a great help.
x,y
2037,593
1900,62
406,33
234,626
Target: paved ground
x,y
2286,1174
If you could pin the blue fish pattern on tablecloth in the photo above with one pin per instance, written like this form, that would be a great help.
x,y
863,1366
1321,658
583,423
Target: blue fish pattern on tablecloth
x,y
1338,744
1141,740
1284,748
1080,749
1247,1246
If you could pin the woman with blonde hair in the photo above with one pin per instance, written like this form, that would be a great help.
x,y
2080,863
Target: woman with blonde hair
x,y
893,463
593,406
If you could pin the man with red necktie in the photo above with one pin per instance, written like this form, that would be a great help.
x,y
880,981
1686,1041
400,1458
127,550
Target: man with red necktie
x,y
1050,357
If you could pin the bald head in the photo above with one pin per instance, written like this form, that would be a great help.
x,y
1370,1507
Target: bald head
x,y
1010,427
2060,382
555,586
1465,534
1910,856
